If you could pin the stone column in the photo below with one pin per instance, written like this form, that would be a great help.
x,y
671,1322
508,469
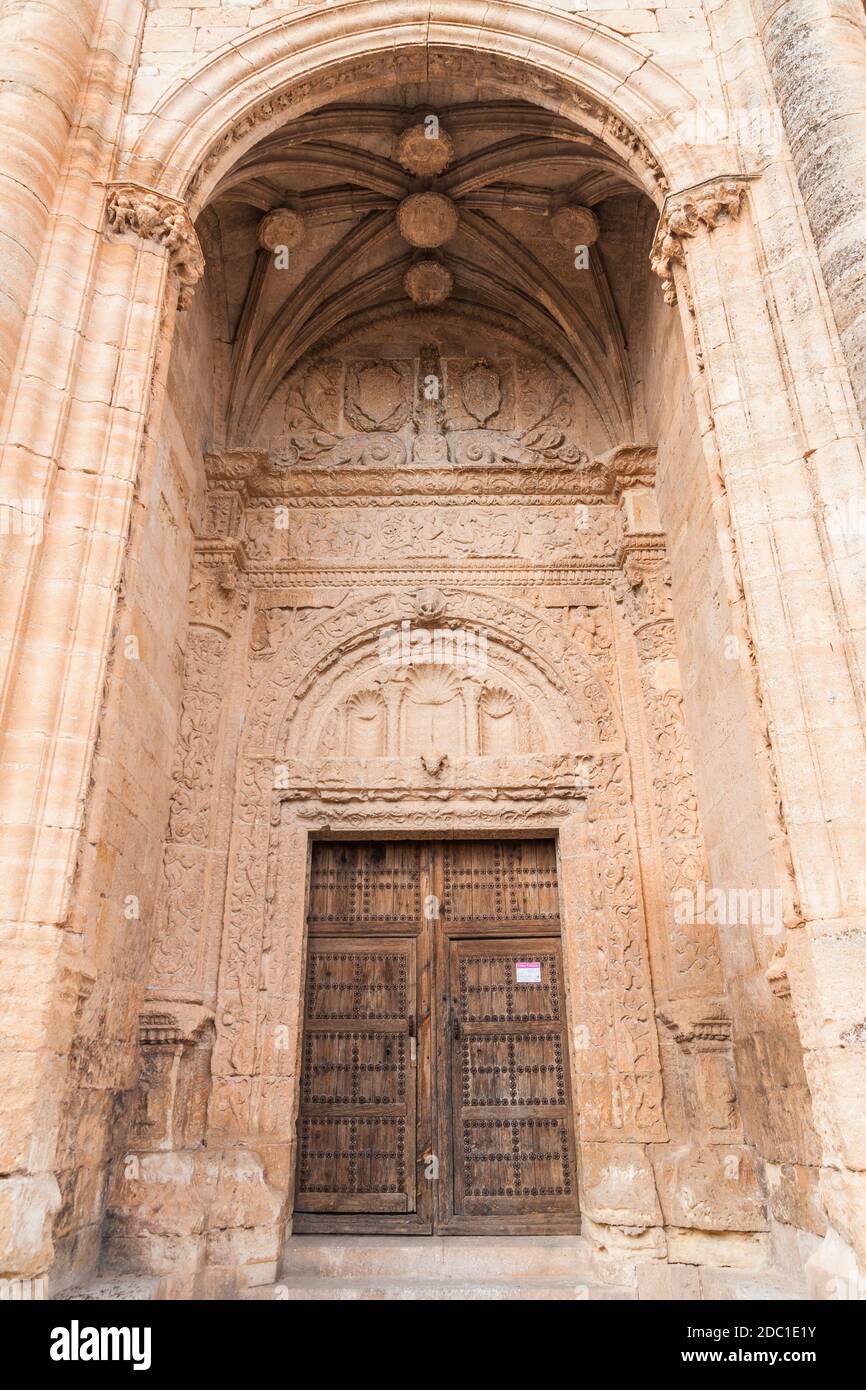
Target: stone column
x,y
816,53
471,695
393,693
44,49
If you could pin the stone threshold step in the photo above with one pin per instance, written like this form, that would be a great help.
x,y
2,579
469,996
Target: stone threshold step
x,y
428,1290
467,1257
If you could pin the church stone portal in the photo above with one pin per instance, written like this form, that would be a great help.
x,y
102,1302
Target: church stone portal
x,y
433,691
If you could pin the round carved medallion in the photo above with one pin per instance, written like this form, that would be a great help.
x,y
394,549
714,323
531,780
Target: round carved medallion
x,y
427,219
282,227
428,282
425,150
574,226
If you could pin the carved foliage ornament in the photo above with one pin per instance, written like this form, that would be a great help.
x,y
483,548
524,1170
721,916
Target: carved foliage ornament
x,y
132,208
684,216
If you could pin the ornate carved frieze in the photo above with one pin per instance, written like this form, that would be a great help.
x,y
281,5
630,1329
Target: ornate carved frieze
x,y
215,601
363,534
257,473
177,950
702,1024
684,216
217,590
518,629
130,207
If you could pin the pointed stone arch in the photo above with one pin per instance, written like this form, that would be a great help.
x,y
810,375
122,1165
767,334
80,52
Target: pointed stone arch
x,y
567,63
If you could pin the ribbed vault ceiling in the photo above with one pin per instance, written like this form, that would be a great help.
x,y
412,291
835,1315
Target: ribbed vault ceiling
x,y
511,166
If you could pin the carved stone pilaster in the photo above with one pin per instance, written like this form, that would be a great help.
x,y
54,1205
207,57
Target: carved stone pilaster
x,y
216,598
685,215
644,593
131,207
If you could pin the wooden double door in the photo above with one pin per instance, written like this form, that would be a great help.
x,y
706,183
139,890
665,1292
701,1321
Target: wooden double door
x,y
435,1091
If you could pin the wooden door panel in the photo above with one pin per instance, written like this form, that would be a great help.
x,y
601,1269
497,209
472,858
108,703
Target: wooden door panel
x,y
512,1148
354,982
499,881
488,991
513,1069
353,1163
357,1119
355,1068
366,883
518,1167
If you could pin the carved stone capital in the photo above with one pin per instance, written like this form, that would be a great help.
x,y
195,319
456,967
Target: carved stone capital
x,y
626,466
217,587
645,587
130,207
168,1023
685,215
701,1023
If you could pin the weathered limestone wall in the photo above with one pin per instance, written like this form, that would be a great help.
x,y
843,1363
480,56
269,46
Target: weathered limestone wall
x,y
722,717
121,859
60,473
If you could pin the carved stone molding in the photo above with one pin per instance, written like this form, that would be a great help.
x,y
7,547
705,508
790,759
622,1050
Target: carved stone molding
x,y
776,974
130,207
561,660
644,592
684,216
626,466
429,64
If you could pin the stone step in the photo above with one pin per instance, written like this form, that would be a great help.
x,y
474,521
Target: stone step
x,y
121,1288
441,1290
471,1258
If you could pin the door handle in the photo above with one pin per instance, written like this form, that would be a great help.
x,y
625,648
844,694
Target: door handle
x,y
455,1024
413,1042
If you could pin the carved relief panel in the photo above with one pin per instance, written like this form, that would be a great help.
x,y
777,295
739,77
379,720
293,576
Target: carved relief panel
x,y
433,408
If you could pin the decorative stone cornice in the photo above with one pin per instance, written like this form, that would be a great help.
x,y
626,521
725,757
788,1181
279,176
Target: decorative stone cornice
x,y
687,213
551,776
255,473
131,207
